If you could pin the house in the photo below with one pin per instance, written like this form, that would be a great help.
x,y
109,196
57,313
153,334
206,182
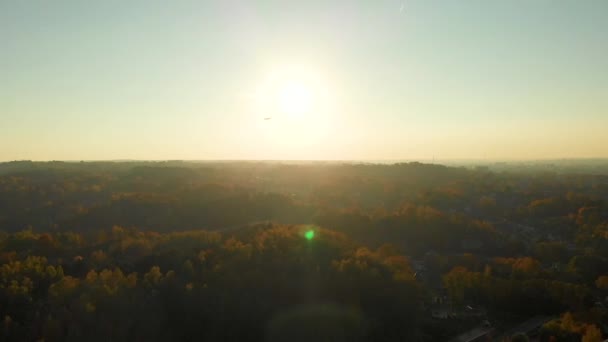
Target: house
x,y
441,311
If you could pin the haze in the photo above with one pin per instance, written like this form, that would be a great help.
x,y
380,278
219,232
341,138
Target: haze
x,y
341,80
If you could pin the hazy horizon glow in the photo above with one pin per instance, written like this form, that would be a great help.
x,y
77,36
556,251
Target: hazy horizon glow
x,y
341,81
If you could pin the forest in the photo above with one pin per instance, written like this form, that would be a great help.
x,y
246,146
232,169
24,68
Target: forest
x,y
302,251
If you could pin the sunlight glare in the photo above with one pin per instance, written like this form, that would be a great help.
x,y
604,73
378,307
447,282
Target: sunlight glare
x,y
295,98
297,104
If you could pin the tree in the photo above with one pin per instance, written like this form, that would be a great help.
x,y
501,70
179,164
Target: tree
x,y
526,265
455,282
488,203
592,334
602,282
520,337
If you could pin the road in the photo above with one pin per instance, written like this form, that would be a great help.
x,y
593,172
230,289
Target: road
x,y
473,334
526,326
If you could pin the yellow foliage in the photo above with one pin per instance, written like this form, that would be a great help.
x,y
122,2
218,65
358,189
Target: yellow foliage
x,y
90,307
602,282
592,334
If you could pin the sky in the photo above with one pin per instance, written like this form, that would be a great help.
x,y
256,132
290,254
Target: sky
x,y
346,80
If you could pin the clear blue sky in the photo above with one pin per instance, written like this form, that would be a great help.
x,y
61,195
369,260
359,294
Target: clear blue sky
x,y
402,79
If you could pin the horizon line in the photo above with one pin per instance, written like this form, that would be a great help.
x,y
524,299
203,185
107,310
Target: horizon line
x,y
381,160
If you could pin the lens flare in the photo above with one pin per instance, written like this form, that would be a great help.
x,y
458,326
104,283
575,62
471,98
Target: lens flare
x,y
309,235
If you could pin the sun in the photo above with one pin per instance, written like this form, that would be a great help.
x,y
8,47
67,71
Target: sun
x,y
293,107
294,98
292,93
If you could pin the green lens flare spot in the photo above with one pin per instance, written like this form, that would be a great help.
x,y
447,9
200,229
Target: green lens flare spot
x,y
309,235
